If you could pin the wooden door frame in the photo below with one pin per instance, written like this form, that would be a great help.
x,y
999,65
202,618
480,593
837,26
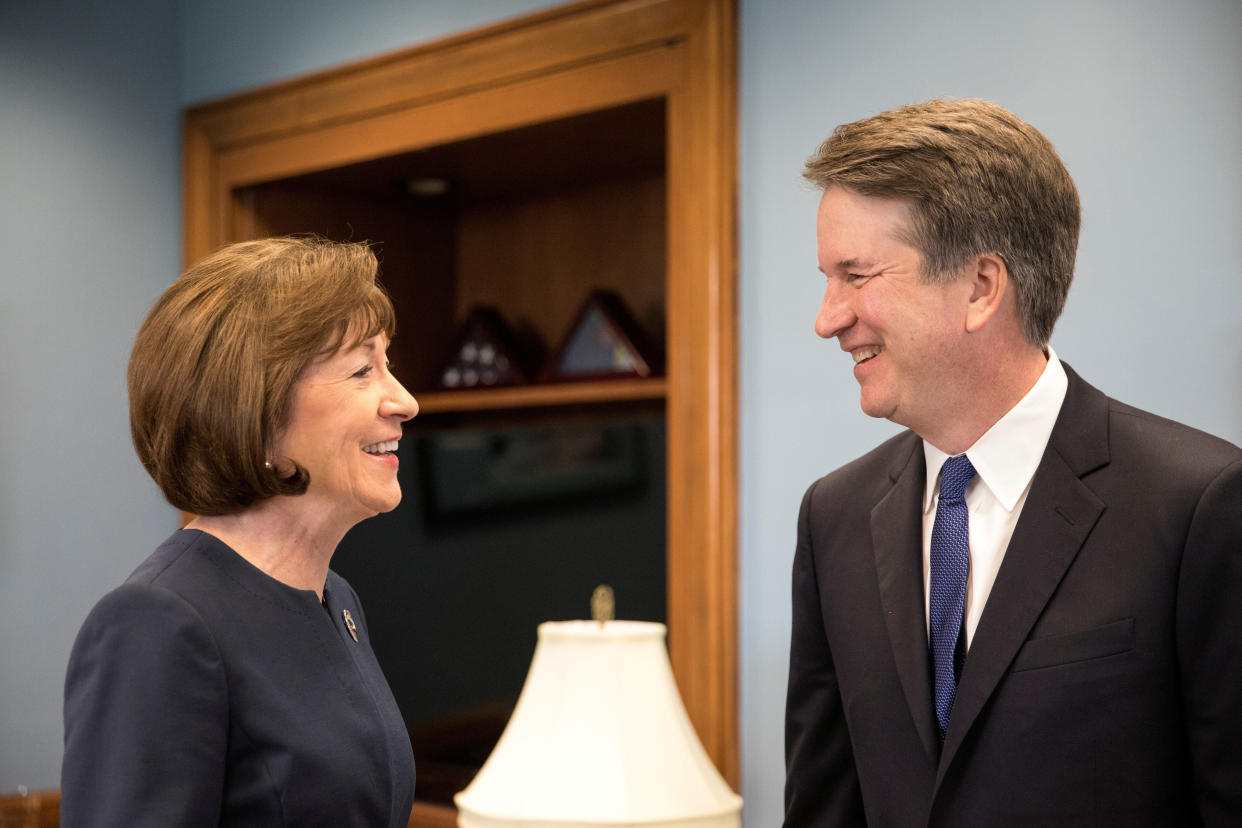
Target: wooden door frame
x,y
558,63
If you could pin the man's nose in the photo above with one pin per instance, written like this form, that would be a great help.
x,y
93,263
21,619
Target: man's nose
x,y
835,313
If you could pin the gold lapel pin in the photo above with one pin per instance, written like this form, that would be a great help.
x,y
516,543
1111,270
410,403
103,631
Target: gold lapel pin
x,y
349,624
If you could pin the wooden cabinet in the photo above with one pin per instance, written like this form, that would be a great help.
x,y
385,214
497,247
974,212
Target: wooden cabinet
x,y
35,809
589,146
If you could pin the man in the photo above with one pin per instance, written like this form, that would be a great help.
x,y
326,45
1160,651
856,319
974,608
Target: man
x,y
1026,610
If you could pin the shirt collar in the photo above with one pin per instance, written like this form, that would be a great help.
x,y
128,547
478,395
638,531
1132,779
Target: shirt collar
x,y
1006,456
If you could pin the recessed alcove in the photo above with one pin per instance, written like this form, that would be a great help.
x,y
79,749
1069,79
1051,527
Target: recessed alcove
x,y
521,167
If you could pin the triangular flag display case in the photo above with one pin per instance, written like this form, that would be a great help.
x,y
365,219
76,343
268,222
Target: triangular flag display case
x,y
486,354
604,341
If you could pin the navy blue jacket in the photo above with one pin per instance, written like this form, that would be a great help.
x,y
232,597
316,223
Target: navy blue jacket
x,y
1103,683
203,692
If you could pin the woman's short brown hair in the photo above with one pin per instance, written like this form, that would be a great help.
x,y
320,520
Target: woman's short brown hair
x,y
980,180
214,364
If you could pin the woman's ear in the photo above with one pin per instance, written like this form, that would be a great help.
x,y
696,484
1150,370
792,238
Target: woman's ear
x,y
989,286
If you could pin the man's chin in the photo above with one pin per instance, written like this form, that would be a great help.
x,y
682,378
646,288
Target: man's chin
x,y
878,408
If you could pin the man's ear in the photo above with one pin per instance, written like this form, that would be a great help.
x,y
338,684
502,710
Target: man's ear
x,y
989,281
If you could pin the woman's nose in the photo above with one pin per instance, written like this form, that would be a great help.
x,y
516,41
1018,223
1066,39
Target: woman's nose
x,y
399,402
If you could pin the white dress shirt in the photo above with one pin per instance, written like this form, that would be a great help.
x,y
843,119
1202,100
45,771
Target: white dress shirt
x,y
1005,459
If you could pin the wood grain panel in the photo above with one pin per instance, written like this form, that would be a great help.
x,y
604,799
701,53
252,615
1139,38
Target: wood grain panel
x,y
702,404
633,78
36,809
538,259
429,815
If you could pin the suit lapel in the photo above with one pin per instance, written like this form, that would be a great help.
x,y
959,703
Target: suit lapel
x,y
897,538
1059,514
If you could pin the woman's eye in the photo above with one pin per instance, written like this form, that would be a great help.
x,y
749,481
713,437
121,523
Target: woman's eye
x,y
363,372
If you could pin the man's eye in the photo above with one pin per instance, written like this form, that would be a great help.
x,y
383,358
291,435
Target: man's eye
x,y
856,278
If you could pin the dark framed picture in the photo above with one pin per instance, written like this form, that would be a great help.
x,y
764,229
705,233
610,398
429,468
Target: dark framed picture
x,y
474,470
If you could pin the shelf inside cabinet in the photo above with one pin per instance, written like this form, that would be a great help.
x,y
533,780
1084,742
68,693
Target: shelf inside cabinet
x,y
550,394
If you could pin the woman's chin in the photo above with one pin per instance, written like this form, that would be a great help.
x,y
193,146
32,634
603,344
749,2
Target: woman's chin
x,y
385,502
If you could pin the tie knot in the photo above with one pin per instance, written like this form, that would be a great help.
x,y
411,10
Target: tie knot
x,y
955,475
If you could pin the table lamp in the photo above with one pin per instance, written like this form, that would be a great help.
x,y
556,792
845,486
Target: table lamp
x,y
599,737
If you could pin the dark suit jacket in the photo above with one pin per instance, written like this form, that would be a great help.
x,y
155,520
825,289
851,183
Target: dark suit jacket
x,y
1103,685
205,693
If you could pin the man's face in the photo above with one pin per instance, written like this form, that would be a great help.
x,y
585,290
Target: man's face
x,y
904,335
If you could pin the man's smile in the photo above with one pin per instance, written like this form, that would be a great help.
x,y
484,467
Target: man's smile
x,y
865,353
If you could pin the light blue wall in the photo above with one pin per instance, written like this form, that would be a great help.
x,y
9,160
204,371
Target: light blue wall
x,y
231,45
1143,101
1142,98
90,99
90,231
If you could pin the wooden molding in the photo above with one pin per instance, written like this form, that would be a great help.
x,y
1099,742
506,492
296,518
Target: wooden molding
x,y
538,395
428,815
35,809
489,57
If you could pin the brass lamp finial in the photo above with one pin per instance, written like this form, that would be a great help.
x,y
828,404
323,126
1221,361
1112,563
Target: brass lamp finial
x,y
603,604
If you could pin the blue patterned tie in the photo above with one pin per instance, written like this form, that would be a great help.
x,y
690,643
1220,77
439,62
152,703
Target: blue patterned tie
x,y
950,563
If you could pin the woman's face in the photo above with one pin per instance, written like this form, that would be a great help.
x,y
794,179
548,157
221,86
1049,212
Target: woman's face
x,y
344,423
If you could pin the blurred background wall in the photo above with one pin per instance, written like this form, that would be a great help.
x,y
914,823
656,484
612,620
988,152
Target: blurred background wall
x,y
90,232
1142,99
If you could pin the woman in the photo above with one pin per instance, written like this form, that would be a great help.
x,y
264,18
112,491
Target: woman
x,y
230,680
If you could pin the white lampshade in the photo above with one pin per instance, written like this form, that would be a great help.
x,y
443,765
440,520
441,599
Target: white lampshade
x,y
599,737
